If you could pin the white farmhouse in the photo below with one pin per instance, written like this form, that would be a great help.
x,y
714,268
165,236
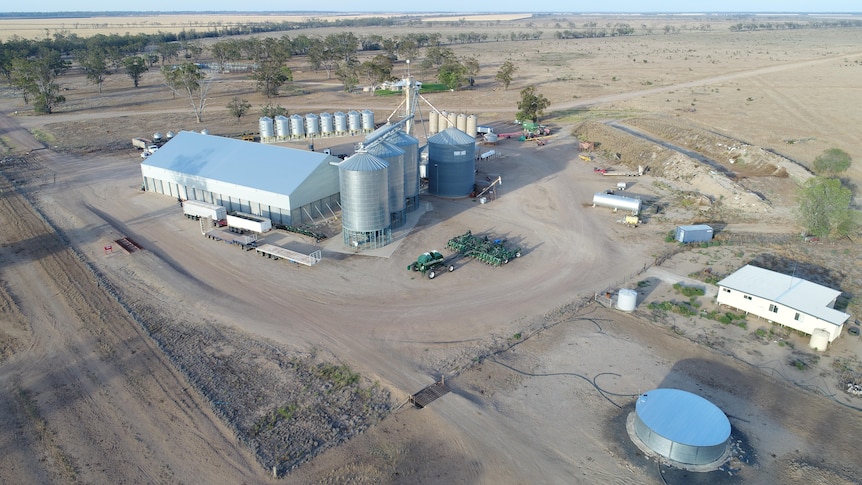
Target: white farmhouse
x,y
786,300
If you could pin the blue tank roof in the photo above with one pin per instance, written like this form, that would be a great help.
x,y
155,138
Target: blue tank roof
x,y
683,417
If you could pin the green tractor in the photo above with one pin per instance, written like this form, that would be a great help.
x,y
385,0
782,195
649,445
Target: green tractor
x,y
430,262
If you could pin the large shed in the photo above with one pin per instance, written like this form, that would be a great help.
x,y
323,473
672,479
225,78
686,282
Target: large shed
x,y
287,185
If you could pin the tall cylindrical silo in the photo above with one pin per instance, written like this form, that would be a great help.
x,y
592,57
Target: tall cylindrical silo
x,y
354,121
265,124
367,120
364,183
443,122
297,126
472,125
312,124
410,145
282,126
461,122
451,163
451,120
394,156
326,125
340,122
433,121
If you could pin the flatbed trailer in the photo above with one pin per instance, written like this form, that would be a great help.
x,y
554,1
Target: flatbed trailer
x,y
278,252
245,241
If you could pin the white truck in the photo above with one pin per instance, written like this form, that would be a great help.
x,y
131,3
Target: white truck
x,y
240,221
195,209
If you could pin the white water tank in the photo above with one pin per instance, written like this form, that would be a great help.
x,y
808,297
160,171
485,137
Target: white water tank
x,y
265,126
327,127
819,339
340,122
282,126
627,300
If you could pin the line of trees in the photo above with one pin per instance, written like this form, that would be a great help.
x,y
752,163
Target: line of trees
x,y
825,202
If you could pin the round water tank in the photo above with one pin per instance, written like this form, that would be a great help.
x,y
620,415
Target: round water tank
x,y
819,339
461,122
297,125
326,125
472,124
265,126
433,121
394,156
410,145
282,126
682,427
354,121
451,163
364,182
340,122
627,300
367,120
312,124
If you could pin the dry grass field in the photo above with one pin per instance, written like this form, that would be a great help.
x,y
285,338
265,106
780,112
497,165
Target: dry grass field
x,y
149,366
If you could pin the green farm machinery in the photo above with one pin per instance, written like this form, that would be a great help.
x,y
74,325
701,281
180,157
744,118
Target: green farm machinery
x,y
490,251
430,263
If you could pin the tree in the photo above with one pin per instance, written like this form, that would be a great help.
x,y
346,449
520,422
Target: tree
x,y
832,162
824,208
506,73
95,67
272,111
532,105
271,76
188,81
452,74
377,70
135,66
238,107
36,78
348,73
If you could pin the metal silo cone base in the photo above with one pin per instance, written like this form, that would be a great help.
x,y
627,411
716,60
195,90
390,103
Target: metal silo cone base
x,y
360,240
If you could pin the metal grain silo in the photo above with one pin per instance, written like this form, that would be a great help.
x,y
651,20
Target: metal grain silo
x,y
451,163
364,183
443,122
282,126
433,122
312,124
297,126
394,156
340,122
354,121
327,127
410,145
265,126
451,121
461,122
367,120
682,427
472,125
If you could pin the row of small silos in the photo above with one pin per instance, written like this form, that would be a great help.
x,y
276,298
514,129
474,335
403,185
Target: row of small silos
x,y
440,121
310,125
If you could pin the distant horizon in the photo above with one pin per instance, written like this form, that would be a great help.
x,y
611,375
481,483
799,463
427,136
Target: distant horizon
x,y
451,7
430,12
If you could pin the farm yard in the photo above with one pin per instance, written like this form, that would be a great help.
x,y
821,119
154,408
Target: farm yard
x,y
190,361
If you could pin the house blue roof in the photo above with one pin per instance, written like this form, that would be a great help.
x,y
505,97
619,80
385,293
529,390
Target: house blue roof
x,y
265,167
790,291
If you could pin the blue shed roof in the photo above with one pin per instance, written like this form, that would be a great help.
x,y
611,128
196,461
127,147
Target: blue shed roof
x,y
683,417
266,167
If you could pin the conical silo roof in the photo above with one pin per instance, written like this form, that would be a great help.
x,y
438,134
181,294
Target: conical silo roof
x,y
451,136
363,162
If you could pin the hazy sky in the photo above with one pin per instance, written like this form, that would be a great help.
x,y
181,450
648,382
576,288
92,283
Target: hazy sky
x,y
442,6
